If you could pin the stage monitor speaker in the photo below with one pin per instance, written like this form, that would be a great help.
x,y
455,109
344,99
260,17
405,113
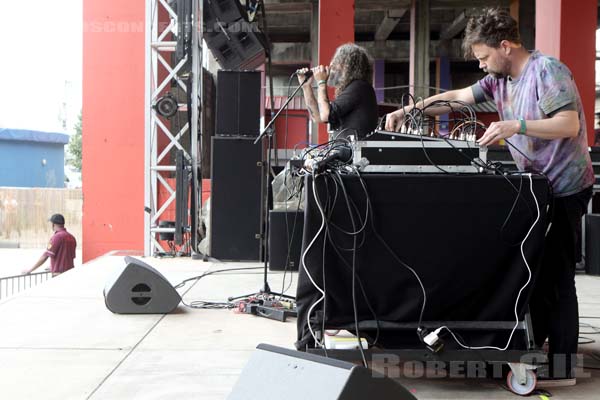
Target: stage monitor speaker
x,y
285,233
592,238
278,373
236,200
234,42
238,103
140,289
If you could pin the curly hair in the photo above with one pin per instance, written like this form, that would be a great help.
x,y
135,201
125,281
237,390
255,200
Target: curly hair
x,y
490,27
354,63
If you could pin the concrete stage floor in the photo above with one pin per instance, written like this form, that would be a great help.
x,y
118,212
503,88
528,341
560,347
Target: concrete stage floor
x,y
59,341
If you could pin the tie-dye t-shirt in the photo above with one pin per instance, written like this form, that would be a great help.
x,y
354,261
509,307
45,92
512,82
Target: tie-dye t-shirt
x,y
544,87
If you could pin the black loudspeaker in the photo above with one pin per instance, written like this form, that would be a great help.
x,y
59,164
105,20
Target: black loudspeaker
x,y
238,103
182,184
235,199
285,232
224,11
183,9
277,373
234,42
140,289
592,249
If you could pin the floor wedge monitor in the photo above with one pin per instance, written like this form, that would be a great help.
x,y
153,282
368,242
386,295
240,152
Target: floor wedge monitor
x,y
139,289
278,373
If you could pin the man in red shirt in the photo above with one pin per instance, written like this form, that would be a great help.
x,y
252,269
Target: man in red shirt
x,y
61,248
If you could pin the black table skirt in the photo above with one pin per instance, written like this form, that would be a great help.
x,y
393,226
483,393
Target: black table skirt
x,y
451,229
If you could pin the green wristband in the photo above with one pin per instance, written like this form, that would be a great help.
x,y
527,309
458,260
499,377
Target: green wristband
x,y
321,83
523,129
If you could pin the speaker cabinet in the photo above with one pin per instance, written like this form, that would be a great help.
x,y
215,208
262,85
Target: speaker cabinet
x,y
238,103
285,240
236,199
592,238
234,42
277,373
140,289
224,11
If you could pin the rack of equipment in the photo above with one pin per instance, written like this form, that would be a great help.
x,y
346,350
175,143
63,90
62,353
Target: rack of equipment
x,y
405,152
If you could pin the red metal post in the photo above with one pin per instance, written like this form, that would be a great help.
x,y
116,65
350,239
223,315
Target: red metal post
x,y
113,126
336,27
567,30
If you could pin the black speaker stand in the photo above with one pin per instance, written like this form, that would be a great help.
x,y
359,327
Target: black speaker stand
x,y
266,135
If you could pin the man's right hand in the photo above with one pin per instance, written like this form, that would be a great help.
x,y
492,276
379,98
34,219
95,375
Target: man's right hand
x,y
301,76
393,120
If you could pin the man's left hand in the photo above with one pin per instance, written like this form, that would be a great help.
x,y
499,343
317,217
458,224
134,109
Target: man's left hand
x,y
321,73
499,130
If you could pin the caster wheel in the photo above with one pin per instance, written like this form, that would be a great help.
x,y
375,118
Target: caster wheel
x,y
522,389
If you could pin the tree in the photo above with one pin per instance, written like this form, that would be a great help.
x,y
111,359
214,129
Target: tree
x,y
75,145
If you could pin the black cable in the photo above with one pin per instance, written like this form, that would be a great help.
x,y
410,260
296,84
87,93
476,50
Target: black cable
x,y
550,188
362,221
207,273
287,229
354,306
510,214
585,325
586,340
476,162
429,159
209,304
287,108
338,133
328,209
341,257
324,290
393,254
289,246
417,117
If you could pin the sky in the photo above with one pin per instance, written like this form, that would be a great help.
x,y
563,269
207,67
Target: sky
x,y
40,66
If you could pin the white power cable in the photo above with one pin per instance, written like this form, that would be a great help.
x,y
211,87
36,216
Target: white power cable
x,y
303,265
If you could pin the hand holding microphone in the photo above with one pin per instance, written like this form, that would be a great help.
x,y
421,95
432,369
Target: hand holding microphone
x,y
304,76
320,73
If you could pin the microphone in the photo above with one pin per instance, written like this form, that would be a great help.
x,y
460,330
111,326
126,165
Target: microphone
x,y
343,154
308,73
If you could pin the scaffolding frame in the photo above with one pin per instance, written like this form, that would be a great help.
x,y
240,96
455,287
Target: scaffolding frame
x,y
158,43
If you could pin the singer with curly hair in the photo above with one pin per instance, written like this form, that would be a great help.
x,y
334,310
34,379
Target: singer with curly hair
x,y
354,110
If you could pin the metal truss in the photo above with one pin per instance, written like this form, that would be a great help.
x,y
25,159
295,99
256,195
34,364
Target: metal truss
x,y
162,41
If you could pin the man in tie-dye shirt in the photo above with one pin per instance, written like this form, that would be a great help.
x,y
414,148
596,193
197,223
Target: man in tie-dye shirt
x,y
542,119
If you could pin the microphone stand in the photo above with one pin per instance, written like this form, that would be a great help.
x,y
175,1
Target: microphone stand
x,y
272,121
267,132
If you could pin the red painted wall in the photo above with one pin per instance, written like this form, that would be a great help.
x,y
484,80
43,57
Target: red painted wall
x,y
297,129
567,30
113,126
336,27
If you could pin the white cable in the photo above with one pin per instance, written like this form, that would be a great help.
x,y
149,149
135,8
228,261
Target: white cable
x,y
303,265
520,291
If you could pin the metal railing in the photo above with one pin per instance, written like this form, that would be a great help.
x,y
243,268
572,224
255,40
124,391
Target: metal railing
x,y
11,285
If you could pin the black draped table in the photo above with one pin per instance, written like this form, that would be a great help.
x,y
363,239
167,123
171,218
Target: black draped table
x,y
462,235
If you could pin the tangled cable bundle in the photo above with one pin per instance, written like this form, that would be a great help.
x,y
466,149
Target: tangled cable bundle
x,y
462,119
